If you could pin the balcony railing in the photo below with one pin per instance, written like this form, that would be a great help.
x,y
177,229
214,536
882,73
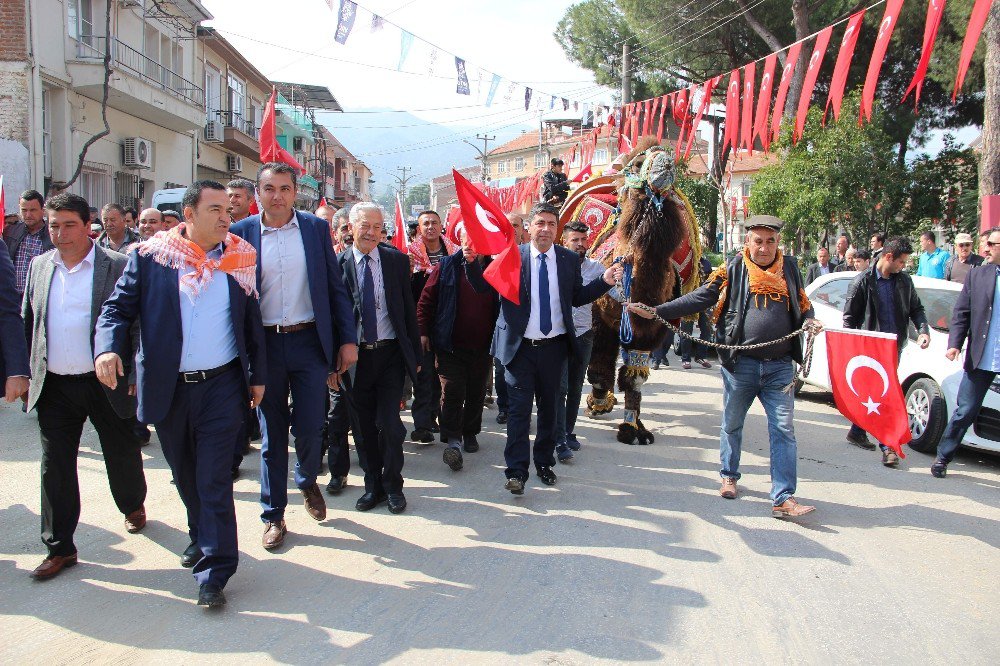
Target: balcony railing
x,y
237,121
124,57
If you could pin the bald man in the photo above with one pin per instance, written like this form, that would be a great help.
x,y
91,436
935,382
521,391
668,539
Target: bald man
x,y
326,212
150,221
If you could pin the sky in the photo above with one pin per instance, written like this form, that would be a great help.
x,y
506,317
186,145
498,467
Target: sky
x,y
512,38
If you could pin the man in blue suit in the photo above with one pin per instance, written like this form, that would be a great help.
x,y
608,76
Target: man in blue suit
x,y
534,339
13,348
201,363
311,340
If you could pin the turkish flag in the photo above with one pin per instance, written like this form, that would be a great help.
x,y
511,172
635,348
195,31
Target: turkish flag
x,y
454,225
322,202
664,108
730,136
270,149
255,203
399,235
490,233
764,102
934,10
706,99
786,80
746,114
976,22
815,62
885,28
584,174
844,57
865,386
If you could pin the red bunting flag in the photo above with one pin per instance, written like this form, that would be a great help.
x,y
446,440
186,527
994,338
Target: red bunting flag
x,y
647,120
764,102
935,8
889,20
399,234
664,109
865,385
844,57
491,234
687,128
976,22
652,116
681,102
786,80
815,63
729,137
746,114
706,99
636,111
270,149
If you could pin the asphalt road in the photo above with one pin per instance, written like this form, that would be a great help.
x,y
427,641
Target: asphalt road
x,y
631,557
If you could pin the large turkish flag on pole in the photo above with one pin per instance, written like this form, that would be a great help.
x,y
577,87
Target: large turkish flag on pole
x,y
399,232
865,386
270,149
490,233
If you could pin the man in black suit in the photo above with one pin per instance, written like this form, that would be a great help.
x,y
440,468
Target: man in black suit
x,y
62,300
822,266
976,318
534,339
13,350
378,279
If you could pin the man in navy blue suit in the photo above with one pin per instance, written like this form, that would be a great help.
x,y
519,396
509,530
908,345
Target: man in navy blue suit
x,y
201,362
533,340
311,341
13,348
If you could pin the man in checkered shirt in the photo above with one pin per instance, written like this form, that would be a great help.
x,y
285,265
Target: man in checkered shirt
x,y
28,238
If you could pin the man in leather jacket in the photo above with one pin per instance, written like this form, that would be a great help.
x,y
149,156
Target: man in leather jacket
x,y
884,299
555,184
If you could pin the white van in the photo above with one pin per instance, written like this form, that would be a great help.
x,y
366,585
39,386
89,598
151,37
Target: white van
x,y
169,199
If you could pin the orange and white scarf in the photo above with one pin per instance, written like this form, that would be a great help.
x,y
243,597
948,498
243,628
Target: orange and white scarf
x,y
764,282
417,250
173,250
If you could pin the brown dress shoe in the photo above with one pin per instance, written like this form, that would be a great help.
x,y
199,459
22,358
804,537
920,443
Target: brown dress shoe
x,y
52,565
889,458
791,509
274,535
728,488
135,521
315,504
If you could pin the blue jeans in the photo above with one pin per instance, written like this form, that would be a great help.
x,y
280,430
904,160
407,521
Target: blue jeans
x,y
971,392
705,333
499,385
571,389
770,382
660,353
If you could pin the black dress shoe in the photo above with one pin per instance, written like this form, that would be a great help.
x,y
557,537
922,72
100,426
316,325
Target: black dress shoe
x,y
211,596
191,555
514,485
397,503
369,501
422,436
337,483
501,417
546,475
470,443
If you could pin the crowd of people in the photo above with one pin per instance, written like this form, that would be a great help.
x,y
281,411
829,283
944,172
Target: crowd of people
x,y
227,326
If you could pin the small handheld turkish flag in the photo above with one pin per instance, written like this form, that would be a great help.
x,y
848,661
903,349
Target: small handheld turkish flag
x,y
454,225
865,386
399,235
490,233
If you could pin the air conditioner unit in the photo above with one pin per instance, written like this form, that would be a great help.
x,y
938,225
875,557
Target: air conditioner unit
x,y
138,152
214,131
234,163
298,143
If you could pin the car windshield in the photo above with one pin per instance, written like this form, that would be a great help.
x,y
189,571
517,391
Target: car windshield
x,y
832,293
938,306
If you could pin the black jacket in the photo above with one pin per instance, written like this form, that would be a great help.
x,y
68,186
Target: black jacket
x,y
729,328
451,270
861,309
973,312
974,259
554,185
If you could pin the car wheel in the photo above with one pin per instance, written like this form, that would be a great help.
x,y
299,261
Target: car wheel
x,y
927,414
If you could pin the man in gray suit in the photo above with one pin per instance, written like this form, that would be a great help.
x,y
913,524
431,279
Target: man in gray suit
x,y
62,300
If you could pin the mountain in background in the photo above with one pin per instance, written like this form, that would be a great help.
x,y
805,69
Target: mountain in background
x,y
385,141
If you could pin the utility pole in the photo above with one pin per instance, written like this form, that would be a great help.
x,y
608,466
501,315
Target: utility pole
x,y
401,181
626,72
483,153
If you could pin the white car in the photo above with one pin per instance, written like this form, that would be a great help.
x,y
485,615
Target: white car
x,y
929,380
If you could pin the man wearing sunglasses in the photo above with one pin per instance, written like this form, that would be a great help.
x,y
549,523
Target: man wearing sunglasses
x,y
963,261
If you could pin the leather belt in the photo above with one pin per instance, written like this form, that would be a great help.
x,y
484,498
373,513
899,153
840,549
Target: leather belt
x,y
198,376
376,345
290,328
541,342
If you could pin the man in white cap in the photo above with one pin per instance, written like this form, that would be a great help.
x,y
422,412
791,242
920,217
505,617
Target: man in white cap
x,y
963,260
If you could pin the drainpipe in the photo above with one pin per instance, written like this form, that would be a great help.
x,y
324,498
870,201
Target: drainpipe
x,y
36,160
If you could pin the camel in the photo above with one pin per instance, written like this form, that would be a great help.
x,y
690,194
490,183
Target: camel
x,y
654,233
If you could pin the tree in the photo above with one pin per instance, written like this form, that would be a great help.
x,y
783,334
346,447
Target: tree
x,y
418,195
940,189
843,175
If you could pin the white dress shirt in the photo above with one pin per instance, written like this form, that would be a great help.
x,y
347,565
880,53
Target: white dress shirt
x,y
534,330
68,326
284,283
382,321
208,340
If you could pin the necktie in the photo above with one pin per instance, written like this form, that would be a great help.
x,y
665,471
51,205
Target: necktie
x,y
369,319
544,306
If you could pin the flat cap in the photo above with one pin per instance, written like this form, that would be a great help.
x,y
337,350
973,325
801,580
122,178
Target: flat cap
x,y
765,221
963,238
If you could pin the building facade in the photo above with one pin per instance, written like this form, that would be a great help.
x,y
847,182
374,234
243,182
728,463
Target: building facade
x,y
345,180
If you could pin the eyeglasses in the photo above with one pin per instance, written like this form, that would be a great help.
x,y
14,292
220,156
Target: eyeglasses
x,y
965,244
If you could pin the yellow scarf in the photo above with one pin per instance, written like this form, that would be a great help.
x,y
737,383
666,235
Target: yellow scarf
x,y
764,282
